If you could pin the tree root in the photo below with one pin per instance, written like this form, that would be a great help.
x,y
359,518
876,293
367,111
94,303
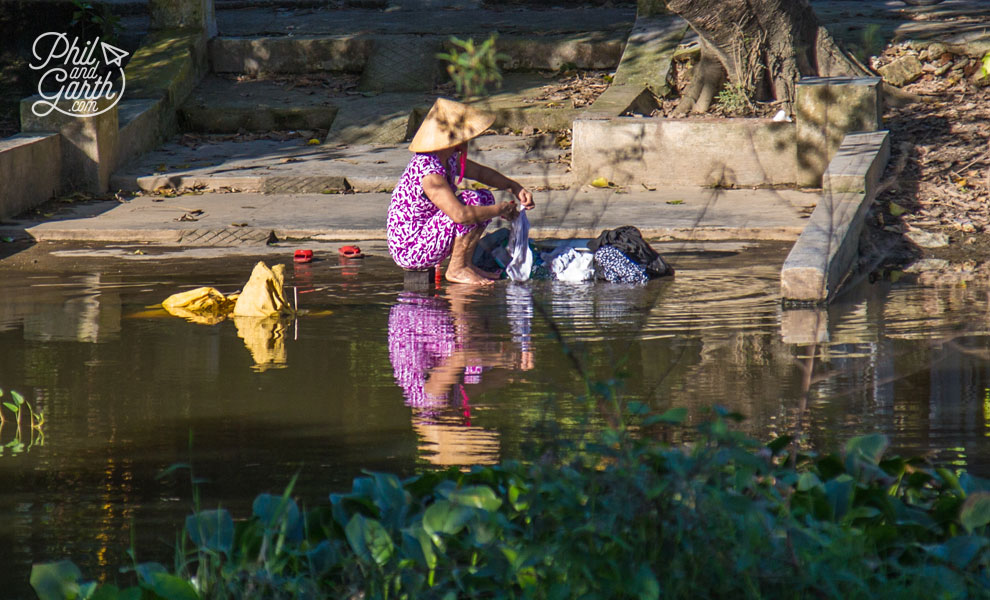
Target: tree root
x,y
706,80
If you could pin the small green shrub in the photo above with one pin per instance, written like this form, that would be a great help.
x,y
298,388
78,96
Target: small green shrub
x,y
87,16
473,67
623,517
733,99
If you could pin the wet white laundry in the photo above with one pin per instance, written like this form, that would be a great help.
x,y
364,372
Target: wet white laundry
x,y
521,263
573,266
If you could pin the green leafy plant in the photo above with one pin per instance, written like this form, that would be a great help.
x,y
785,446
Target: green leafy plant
x,y
733,98
616,516
27,423
86,14
473,67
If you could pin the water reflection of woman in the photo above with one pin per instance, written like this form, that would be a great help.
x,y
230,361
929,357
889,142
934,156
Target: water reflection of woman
x,y
441,355
436,343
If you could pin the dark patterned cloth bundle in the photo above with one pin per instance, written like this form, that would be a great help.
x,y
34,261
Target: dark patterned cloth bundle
x,y
627,243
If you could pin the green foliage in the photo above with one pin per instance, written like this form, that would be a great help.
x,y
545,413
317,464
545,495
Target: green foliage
x,y
733,98
622,517
473,67
26,423
88,16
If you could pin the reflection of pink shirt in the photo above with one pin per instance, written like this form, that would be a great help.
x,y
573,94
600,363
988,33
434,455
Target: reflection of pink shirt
x,y
421,337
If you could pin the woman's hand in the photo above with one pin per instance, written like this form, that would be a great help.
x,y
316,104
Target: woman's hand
x,y
524,196
508,211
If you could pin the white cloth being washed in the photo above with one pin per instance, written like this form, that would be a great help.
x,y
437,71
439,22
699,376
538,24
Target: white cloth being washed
x,y
573,266
521,263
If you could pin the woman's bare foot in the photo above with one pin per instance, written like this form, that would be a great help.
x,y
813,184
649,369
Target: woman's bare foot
x,y
466,275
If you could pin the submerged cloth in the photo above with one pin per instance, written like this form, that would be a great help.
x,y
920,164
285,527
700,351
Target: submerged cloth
x,y
630,242
614,266
521,257
419,234
491,244
205,305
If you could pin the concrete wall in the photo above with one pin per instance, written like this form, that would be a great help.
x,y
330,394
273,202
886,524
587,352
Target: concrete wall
x,y
29,164
705,152
88,144
142,127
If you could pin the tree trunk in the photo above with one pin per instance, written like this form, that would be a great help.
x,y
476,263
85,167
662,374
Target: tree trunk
x,y
765,46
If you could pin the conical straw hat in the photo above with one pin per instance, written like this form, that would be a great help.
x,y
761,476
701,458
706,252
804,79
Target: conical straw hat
x,y
448,124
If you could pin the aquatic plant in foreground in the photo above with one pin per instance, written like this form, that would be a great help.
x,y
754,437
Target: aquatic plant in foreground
x,y
26,423
622,517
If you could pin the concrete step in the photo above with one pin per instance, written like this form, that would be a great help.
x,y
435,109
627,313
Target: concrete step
x,y
350,52
291,166
524,21
223,105
228,105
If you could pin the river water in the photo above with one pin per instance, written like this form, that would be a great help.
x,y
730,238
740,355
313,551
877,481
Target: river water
x,y
373,377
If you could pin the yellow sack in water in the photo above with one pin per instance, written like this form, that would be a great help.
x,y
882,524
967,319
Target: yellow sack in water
x,y
263,295
203,305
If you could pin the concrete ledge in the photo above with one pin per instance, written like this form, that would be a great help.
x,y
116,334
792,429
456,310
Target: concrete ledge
x,y
859,163
142,125
646,59
827,248
821,257
27,162
702,152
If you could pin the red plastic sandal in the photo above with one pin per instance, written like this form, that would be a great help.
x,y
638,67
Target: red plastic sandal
x,y
303,256
351,252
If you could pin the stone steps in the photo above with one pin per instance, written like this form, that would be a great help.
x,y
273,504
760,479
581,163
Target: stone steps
x,y
350,53
292,166
222,105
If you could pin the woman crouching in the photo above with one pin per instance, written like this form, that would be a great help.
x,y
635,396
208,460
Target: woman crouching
x,y
428,220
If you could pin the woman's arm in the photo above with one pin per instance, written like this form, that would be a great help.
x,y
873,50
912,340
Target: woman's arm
x,y
438,191
493,178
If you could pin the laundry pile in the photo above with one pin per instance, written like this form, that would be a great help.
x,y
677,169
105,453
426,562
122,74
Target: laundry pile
x,y
618,255
257,311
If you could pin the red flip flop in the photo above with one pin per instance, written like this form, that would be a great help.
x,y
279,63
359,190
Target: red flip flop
x,y
351,252
303,256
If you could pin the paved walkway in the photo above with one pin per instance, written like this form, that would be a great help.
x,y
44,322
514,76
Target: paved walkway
x,y
240,219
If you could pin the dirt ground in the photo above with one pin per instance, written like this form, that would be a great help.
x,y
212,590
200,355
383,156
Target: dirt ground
x,y
937,186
